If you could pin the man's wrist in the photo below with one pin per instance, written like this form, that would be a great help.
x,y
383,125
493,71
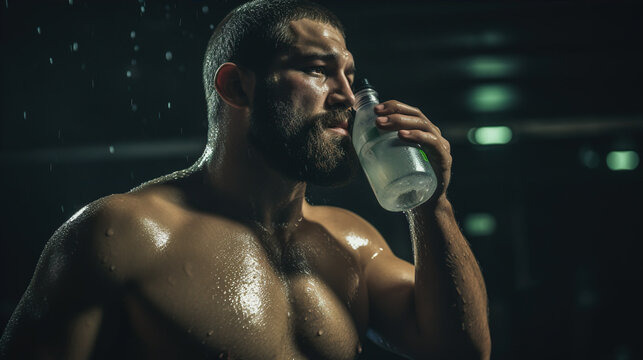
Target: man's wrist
x,y
434,207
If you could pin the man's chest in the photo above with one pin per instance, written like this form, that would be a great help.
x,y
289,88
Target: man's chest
x,y
229,297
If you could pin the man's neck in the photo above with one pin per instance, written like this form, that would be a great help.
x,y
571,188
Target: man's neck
x,y
247,188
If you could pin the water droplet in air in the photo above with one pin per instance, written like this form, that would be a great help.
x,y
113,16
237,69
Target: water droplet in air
x,y
133,62
128,74
24,115
109,232
112,268
142,9
51,60
205,9
134,107
169,105
222,355
74,46
359,348
62,208
132,34
320,332
38,30
136,47
168,55
211,26
71,2
111,149
210,332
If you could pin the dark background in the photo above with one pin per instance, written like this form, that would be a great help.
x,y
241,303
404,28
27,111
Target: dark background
x,y
100,96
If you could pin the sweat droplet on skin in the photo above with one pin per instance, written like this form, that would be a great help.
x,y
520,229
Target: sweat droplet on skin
x,y
320,332
187,268
210,332
359,348
109,232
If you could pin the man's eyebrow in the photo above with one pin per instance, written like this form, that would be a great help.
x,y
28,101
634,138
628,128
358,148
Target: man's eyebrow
x,y
329,57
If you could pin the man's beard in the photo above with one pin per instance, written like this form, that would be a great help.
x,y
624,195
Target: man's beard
x,y
298,145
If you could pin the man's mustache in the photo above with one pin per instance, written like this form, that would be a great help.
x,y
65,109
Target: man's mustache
x,y
335,117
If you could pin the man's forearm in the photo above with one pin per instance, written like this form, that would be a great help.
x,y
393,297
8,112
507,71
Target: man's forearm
x,y
450,295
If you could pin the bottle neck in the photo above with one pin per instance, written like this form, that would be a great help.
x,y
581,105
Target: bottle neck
x,y
366,96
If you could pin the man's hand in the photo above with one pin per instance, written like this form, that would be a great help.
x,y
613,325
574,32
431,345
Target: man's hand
x,y
413,126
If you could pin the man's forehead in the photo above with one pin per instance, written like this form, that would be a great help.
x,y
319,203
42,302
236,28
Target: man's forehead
x,y
316,37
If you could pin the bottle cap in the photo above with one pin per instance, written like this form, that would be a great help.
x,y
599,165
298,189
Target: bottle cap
x,y
361,84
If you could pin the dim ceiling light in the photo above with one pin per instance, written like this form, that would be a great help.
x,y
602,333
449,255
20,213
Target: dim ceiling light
x,y
488,98
489,67
622,160
490,135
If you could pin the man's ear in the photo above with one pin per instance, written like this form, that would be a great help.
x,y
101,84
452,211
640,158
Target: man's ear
x,y
235,85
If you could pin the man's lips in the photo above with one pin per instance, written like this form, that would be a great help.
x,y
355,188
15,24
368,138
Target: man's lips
x,y
341,128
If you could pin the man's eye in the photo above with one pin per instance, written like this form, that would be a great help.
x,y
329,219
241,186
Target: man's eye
x,y
315,70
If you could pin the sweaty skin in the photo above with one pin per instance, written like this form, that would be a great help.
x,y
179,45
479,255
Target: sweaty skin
x,y
229,261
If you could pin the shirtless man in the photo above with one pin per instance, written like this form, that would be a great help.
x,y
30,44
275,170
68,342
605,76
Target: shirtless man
x,y
226,259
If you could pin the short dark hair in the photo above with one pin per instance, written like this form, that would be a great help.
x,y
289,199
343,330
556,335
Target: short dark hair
x,y
251,36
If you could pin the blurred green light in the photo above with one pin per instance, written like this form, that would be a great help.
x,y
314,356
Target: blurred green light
x,y
490,135
589,157
488,66
481,224
486,98
622,160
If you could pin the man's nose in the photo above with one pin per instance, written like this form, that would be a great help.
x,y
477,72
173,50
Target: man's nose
x,y
341,94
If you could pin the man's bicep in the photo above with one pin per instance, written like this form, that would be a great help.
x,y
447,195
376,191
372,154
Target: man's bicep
x,y
44,328
59,314
390,282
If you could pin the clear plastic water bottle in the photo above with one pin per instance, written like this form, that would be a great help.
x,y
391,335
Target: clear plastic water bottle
x,y
399,172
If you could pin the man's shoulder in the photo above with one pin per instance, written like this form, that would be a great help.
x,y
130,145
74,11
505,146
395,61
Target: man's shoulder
x,y
351,229
110,234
